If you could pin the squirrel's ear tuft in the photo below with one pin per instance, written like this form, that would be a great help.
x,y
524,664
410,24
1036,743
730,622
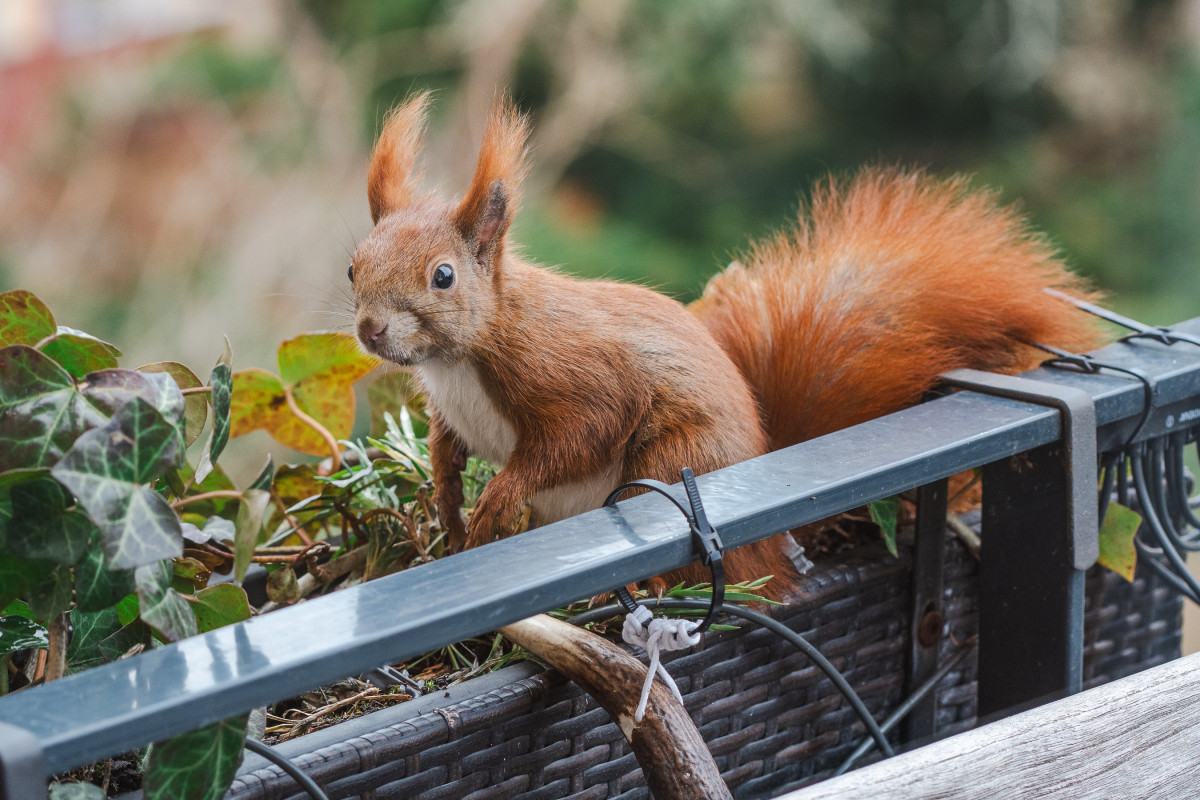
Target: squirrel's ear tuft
x,y
488,207
390,178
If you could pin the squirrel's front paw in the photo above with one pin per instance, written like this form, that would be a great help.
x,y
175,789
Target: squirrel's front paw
x,y
493,518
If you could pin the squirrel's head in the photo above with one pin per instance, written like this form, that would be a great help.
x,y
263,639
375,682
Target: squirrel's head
x,y
426,279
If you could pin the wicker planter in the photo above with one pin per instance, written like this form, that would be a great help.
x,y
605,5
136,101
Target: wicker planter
x,y
771,719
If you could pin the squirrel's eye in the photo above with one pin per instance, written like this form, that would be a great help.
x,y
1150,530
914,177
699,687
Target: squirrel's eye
x,y
350,272
443,277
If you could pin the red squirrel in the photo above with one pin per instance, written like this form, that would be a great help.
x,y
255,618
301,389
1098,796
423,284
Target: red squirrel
x,y
576,386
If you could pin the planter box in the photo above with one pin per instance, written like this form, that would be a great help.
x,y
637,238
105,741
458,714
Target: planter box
x,y
772,720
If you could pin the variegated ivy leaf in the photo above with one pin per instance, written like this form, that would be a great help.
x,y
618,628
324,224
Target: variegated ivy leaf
x,y
106,470
198,765
41,410
220,381
160,606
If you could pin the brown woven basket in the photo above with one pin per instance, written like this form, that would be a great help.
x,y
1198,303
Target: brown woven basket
x,y
772,720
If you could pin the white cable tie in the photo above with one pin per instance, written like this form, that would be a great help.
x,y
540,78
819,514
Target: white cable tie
x,y
655,637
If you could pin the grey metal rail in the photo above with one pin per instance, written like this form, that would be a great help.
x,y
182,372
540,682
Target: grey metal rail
x,y
172,689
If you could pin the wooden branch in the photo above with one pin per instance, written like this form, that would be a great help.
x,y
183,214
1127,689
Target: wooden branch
x,y
1136,737
674,759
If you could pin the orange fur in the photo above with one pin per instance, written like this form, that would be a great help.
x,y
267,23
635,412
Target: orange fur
x,y
891,279
576,386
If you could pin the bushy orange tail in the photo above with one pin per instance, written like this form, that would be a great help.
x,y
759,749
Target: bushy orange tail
x,y
889,280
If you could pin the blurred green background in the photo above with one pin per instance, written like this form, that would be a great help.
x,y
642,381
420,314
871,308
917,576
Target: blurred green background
x,y
171,171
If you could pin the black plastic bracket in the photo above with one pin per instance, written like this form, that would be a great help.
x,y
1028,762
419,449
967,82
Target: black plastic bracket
x,y
703,533
22,765
1040,532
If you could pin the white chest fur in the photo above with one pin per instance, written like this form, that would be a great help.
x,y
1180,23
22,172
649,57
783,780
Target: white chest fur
x,y
457,394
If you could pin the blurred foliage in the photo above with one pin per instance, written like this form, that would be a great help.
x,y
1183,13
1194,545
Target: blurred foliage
x,y
711,118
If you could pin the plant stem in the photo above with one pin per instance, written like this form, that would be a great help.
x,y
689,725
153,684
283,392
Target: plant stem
x,y
5,663
56,658
196,498
196,390
335,451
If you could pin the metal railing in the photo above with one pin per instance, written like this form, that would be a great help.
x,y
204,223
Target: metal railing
x,y
1027,516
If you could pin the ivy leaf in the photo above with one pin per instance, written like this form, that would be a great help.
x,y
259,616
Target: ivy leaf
x,y
220,605
51,595
24,319
1117,550
249,525
220,381
198,765
98,587
105,469
89,629
20,633
263,481
884,513
47,529
160,606
320,371
17,575
114,646
76,791
41,411
110,389
79,353
195,405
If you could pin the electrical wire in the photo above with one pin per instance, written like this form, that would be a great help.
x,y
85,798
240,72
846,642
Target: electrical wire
x,y
306,783
905,708
843,686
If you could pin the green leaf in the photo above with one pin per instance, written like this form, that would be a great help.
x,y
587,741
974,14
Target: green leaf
x,y
1117,550
17,607
20,633
76,791
79,353
51,595
884,514
41,411
43,527
220,380
89,629
196,766
104,470
17,575
263,481
160,606
24,319
195,405
220,605
97,586
127,608
249,525
114,646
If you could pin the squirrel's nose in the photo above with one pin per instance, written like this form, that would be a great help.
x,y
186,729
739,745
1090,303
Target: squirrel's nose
x,y
370,330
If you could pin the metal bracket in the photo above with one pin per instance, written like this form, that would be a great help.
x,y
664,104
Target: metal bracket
x,y
1040,532
1078,413
22,765
928,612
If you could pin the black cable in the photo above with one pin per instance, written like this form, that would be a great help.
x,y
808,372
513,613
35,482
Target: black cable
x,y
1146,556
1151,519
595,615
306,783
1108,471
905,708
1180,491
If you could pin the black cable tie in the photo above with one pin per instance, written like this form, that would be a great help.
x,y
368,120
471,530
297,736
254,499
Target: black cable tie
x,y
704,534
1082,362
1141,330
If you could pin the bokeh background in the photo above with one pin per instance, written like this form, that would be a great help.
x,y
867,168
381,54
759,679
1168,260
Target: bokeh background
x,y
176,170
